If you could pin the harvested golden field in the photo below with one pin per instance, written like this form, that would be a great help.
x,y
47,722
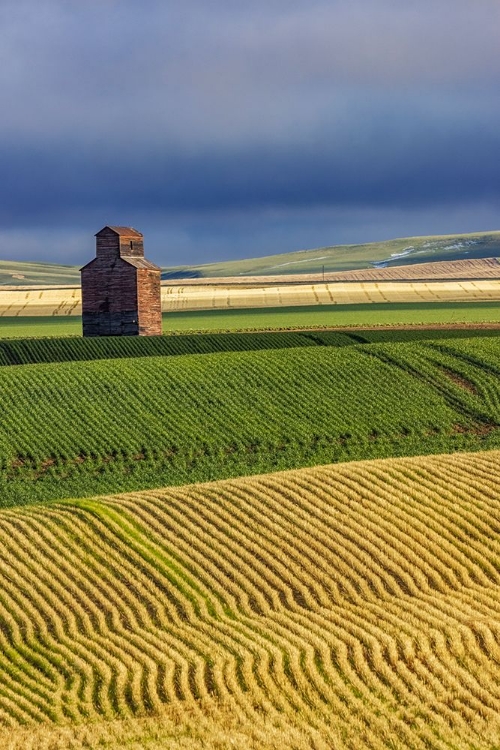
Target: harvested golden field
x,y
66,301
342,293
52,300
349,606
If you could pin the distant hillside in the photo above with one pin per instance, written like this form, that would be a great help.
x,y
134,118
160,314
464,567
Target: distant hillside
x,y
398,252
16,273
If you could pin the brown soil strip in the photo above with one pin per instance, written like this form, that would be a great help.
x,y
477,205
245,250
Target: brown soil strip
x,y
459,380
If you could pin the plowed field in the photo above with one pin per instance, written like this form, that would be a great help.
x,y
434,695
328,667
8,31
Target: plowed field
x,y
354,606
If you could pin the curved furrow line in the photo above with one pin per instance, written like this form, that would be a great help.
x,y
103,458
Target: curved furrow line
x,y
267,581
31,614
293,547
473,511
329,506
118,597
444,506
364,645
430,620
402,552
59,589
133,579
398,577
318,702
362,563
335,594
362,653
413,518
18,710
346,680
309,681
60,633
128,533
29,671
269,562
444,564
485,467
426,616
322,557
210,633
146,648
368,657
125,650
195,538
475,505
120,646
463,504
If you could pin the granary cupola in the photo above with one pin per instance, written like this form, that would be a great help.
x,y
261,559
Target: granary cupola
x,y
121,293
114,242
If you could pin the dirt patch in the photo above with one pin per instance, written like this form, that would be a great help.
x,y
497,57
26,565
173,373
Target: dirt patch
x,y
459,380
481,429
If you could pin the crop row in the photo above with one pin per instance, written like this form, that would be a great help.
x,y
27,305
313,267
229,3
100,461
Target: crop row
x,y
73,349
90,427
32,351
363,597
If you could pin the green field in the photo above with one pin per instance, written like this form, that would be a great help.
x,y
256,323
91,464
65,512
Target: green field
x,y
427,313
77,428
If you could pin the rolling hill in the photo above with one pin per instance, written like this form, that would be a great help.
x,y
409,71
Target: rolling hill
x,y
20,274
338,607
397,252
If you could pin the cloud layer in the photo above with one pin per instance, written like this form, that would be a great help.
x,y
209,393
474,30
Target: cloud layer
x,y
223,129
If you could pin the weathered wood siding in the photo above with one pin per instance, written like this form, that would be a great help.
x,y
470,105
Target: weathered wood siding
x,y
149,302
132,247
109,299
107,245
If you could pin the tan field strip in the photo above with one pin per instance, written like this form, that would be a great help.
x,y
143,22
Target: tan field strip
x,y
66,301
217,298
357,604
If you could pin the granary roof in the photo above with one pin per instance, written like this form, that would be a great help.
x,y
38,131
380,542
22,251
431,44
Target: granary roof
x,y
122,231
140,263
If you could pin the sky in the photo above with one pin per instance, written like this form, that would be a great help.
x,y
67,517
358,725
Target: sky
x,y
225,129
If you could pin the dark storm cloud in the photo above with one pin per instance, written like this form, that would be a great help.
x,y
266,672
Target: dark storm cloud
x,y
179,111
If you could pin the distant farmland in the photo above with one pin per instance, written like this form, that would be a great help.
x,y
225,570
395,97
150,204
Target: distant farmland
x,y
335,607
401,252
62,302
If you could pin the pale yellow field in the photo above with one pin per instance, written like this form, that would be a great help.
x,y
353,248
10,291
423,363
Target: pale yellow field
x,y
351,606
67,300
217,298
53,300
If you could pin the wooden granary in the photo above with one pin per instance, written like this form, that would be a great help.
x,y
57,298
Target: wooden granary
x,y
121,293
